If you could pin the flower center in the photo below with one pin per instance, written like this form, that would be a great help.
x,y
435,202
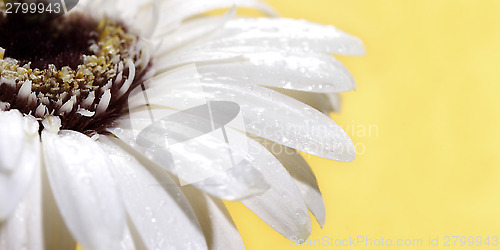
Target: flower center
x,y
75,67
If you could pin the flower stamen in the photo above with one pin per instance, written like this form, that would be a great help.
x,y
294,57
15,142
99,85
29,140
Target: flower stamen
x,y
85,83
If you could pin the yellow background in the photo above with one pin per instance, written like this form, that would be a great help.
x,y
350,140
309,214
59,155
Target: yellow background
x,y
430,85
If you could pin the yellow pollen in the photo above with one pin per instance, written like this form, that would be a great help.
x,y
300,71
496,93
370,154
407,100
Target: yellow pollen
x,y
101,65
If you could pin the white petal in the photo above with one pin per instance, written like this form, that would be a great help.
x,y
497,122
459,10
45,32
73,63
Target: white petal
x,y
23,229
144,17
41,110
52,124
179,11
85,112
220,231
191,31
131,77
127,242
197,157
20,159
335,101
320,101
56,234
36,224
87,102
25,90
282,206
4,105
303,177
67,106
270,115
13,137
238,182
279,53
156,206
122,8
104,102
312,72
288,34
183,57
84,189
299,71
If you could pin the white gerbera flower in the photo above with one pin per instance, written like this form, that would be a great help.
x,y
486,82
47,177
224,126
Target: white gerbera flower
x,y
88,100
